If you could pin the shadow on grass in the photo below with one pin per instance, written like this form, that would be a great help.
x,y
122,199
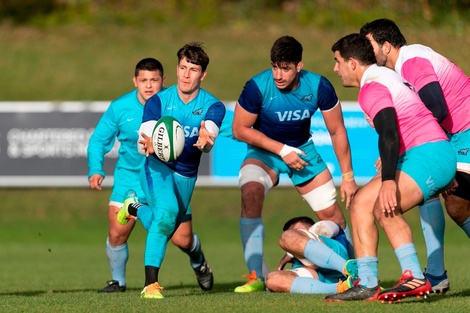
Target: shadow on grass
x,y
193,289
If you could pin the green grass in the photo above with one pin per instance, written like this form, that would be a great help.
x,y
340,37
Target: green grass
x,y
53,259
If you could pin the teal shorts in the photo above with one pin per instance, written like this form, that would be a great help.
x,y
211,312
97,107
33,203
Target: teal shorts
x,y
461,144
315,166
431,165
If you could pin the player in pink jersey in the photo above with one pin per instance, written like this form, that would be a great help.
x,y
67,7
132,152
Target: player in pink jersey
x,y
445,90
418,162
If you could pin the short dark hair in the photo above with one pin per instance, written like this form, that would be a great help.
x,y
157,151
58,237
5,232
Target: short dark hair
x,y
148,64
307,221
195,54
383,30
286,49
355,46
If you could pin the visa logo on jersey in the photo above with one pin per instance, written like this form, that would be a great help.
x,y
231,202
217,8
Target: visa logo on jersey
x,y
293,115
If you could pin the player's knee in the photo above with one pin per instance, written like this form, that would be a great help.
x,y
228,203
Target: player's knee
x,y
253,173
165,222
321,197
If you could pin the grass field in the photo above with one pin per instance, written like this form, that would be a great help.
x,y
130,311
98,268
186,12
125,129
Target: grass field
x,y
53,259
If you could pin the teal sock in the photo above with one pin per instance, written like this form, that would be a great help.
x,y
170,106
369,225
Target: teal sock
x,y
466,226
368,271
117,258
307,285
252,236
195,253
408,259
433,225
323,256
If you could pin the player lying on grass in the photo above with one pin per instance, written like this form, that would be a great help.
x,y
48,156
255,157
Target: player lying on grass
x,y
319,256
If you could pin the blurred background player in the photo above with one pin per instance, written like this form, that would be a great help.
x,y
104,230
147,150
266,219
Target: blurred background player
x,y
445,90
319,253
273,116
121,121
417,163
169,186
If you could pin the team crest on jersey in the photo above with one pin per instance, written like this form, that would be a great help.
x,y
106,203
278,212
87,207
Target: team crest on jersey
x,y
307,98
463,151
198,112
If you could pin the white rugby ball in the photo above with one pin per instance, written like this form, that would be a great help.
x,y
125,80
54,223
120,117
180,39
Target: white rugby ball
x,y
168,139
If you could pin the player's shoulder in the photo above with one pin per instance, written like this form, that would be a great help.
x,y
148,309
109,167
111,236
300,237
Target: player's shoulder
x,y
125,99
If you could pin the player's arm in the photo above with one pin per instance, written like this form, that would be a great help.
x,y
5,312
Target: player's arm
x,y
386,125
433,97
339,138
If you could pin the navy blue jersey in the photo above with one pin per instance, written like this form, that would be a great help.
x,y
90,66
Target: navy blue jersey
x,y
285,116
203,107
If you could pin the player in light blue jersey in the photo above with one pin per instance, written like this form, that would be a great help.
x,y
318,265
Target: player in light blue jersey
x,y
273,116
121,121
169,186
319,256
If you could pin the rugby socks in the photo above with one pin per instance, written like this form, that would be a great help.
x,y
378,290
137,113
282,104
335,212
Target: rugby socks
x,y
323,256
466,226
252,236
408,259
308,285
368,271
433,225
195,252
117,258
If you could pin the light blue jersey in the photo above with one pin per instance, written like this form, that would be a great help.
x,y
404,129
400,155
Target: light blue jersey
x,y
204,107
121,120
285,116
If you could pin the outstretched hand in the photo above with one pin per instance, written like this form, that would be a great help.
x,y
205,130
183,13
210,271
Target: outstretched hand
x,y
205,137
146,143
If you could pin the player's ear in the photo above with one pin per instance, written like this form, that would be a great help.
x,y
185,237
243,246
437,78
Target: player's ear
x,y
300,66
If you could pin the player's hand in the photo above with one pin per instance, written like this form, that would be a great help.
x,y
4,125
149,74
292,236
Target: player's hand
x,y
95,181
388,196
290,155
205,137
146,143
285,259
450,191
348,190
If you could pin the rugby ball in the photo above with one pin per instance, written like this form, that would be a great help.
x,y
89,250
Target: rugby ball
x,y
168,139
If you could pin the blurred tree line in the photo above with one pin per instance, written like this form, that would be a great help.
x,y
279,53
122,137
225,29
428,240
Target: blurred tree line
x,y
206,13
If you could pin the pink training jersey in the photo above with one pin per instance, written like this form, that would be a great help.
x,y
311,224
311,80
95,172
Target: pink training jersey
x,y
383,88
420,65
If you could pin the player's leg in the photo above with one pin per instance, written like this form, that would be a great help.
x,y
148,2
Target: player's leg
x,y
320,193
321,251
189,243
458,204
117,250
256,179
433,226
365,237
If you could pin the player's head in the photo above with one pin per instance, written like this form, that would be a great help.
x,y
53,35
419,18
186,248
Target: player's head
x,y
148,78
306,221
351,52
382,30
192,65
194,53
286,62
384,35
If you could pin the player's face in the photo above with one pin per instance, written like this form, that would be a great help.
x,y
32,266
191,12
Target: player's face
x,y
344,70
148,83
189,76
379,54
285,75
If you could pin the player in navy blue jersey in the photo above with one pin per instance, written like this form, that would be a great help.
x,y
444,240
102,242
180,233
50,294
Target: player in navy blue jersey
x,y
273,116
168,187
